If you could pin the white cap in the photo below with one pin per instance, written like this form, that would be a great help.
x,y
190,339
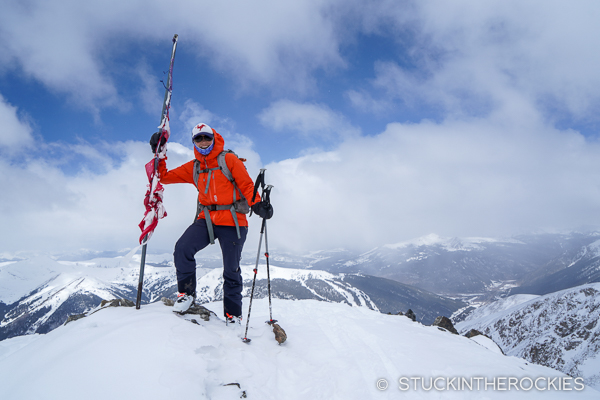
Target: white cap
x,y
202,129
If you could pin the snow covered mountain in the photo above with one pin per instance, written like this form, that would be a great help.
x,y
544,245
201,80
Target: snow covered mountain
x,y
559,330
38,294
459,266
333,351
566,272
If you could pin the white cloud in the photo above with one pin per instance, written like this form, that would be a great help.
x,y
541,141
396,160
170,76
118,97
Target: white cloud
x,y
99,204
492,165
484,177
281,51
16,132
69,45
54,44
469,57
44,209
462,50
307,120
454,178
194,113
149,93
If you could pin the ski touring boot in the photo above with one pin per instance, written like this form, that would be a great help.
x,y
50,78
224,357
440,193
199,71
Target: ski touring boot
x,y
183,303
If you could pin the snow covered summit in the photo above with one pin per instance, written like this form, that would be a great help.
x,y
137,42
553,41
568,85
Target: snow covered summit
x,y
333,351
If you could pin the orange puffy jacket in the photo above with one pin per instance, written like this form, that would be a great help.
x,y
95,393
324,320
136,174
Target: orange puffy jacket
x,y
220,190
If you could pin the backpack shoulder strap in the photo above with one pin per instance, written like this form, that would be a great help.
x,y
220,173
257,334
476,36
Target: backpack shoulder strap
x,y
225,170
196,172
223,164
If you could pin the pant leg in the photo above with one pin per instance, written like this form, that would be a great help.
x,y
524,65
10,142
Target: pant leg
x,y
194,239
231,248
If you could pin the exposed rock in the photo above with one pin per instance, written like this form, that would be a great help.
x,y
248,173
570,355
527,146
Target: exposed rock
x,y
103,304
74,317
472,333
410,314
117,303
168,302
195,309
444,322
201,311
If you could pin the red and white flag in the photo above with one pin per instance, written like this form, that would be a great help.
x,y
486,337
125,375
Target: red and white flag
x,y
154,195
153,201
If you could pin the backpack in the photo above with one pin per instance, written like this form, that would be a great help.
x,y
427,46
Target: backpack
x,y
238,206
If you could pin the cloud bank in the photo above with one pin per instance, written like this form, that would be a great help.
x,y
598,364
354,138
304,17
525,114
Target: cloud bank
x,y
481,178
503,87
456,178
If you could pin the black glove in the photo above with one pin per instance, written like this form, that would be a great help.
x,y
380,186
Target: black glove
x,y
263,209
154,141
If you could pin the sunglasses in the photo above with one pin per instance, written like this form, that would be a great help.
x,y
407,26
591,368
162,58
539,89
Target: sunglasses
x,y
202,138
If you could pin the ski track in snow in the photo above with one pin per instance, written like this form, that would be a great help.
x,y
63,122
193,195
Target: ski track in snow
x,y
333,351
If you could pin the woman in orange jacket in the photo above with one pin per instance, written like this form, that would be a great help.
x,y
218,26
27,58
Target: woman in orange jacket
x,y
222,204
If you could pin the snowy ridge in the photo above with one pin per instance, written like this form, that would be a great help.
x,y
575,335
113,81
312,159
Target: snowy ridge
x,y
595,248
573,268
43,292
210,285
52,295
23,277
333,351
559,330
590,252
19,279
449,244
501,305
486,267
39,294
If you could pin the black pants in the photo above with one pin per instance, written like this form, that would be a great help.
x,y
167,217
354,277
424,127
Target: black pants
x,y
194,239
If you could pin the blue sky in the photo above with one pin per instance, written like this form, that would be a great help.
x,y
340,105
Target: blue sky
x,y
378,121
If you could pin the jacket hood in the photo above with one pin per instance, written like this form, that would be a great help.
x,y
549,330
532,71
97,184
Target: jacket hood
x,y
217,149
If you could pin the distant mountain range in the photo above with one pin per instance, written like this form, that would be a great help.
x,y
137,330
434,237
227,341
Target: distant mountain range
x,y
37,295
536,263
575,267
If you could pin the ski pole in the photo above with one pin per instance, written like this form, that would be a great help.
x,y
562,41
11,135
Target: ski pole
x,y
163,115
138,299
271,320
267,198
262,229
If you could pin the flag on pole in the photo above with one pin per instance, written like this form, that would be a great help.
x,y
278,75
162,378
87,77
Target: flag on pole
x,y
153,201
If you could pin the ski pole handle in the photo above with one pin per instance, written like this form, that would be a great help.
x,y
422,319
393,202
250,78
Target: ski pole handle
x,y
260,181
267,194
